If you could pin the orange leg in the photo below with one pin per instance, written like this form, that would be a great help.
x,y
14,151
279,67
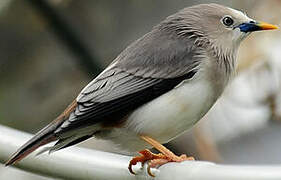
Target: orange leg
x,y
156,159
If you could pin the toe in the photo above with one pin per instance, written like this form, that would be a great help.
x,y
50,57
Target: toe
x,y
145,156
157,162
186,158
130,167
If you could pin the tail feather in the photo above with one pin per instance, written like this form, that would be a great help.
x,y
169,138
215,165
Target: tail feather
x,y
45,136
61,144
64,143
41,138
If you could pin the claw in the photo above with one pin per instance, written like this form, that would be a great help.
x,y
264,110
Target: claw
x,y
149,171
145,156
155,160
130,167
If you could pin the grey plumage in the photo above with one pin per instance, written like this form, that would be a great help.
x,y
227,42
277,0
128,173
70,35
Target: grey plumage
x,y
189,49
159,55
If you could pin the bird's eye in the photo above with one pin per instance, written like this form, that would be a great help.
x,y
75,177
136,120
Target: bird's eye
x,y
228,21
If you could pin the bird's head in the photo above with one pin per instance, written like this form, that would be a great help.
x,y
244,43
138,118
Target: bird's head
x,y
222,26
232,25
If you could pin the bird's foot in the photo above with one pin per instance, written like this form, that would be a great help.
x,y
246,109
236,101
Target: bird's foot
x,y
155,160
145,156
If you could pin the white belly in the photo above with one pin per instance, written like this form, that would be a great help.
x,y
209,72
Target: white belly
x,y
174,112
167,116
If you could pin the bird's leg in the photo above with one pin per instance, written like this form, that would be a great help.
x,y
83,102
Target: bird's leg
x,y
156,160
169,155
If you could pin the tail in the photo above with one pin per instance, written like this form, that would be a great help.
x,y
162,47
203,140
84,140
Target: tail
x,y
41,138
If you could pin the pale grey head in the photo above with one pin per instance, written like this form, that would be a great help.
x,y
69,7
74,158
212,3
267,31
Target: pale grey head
x,y
212,23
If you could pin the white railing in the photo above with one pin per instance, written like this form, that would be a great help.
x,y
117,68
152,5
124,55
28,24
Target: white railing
x,y
82,163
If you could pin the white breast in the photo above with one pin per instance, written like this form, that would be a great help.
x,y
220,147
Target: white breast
x,y
174,112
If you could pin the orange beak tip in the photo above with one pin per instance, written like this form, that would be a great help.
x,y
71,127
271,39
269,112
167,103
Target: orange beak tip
x,y
267,26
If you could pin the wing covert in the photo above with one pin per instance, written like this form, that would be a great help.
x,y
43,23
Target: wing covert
x,y
143,71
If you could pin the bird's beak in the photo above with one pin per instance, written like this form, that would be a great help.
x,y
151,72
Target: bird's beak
x,y
256,26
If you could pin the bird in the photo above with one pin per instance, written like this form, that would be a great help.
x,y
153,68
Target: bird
x,y
160,86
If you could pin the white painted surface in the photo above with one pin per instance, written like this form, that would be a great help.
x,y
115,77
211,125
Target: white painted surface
x,y
81,163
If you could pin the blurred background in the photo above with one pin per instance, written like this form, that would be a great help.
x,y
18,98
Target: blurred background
x,y
50,49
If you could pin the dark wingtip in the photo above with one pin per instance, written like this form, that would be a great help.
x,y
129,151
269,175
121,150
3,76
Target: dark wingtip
x,y
19,156
28,148
10,162
41,138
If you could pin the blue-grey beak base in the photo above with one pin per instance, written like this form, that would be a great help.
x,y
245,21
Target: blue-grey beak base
x,y
249,27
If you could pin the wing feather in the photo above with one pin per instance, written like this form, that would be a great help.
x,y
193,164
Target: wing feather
x,y
148,68
115,108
